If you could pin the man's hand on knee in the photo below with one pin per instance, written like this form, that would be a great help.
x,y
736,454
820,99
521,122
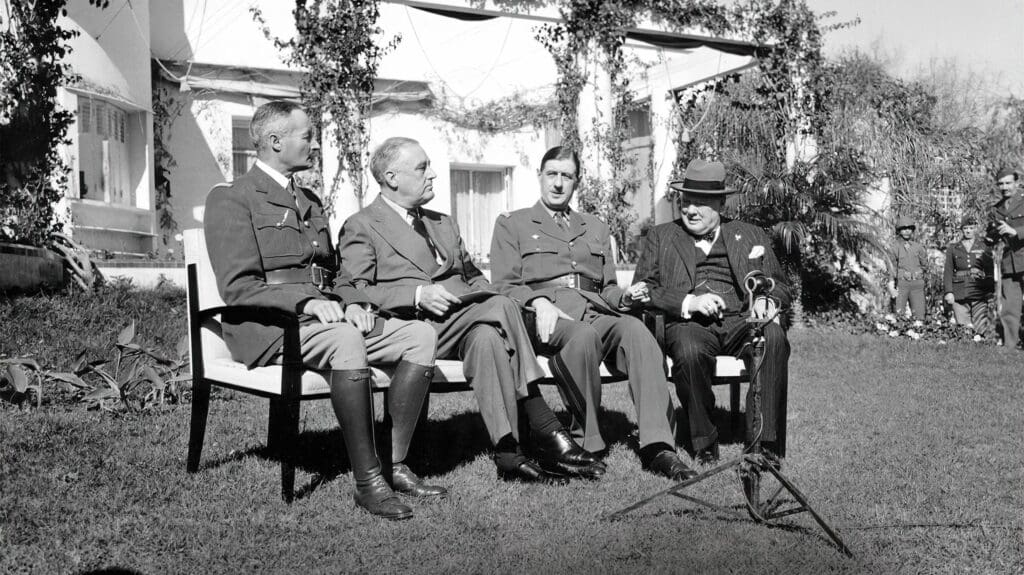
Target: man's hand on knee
x,y
547,316
357,315
325,310
436,299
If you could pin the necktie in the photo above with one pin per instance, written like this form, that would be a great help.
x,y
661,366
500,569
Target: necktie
x,y
300,201
562,220
420,228
708,237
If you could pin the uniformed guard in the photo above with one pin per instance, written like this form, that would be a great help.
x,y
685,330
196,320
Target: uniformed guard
x,y
907,270
967,278
270,247
559,263
1006,227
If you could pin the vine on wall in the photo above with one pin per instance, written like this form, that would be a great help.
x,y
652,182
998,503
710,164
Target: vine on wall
x,y
32,173
337,43
166,109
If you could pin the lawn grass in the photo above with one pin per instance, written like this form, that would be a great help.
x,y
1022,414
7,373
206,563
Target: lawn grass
x,y
913,450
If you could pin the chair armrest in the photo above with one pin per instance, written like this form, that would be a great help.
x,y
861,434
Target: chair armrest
x,y
655,322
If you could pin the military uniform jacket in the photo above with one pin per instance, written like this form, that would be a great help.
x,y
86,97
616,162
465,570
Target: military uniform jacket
x,y
909,261
962,265
388,260
668,261
528,246
253,226
1012,212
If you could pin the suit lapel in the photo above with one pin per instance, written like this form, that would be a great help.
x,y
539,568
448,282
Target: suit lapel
x,y
683,242
547,223
442,243
736,244
400,236
276,194
577,225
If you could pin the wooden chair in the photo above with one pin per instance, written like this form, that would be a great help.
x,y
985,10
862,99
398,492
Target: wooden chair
x,y
287,385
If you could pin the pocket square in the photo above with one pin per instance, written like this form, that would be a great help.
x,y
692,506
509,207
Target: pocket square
x,y
756,252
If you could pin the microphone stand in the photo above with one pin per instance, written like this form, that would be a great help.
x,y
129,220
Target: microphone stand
x,y
754,461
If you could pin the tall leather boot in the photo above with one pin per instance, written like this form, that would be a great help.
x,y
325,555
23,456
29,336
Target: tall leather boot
x,y
409,387
353,405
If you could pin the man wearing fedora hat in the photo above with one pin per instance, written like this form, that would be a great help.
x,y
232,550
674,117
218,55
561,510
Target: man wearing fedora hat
x,y
695,268
1006,225
558,262
907,268
967,278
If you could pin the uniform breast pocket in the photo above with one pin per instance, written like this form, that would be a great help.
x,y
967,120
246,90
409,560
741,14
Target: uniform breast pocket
x,y
278,234
597,250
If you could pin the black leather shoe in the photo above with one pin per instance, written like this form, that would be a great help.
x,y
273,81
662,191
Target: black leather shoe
x,y
528,471
558,452
668,464
377,497
404,481
708,455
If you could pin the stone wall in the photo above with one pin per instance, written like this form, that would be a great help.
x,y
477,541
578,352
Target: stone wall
x,y
28,268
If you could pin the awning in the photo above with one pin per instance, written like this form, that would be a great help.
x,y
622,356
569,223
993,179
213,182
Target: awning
x,y
276,84
98,75
658,38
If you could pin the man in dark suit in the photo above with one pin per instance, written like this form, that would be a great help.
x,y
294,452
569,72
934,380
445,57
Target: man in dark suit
x,y
270,247
412,263
1006,226
559,262
695,268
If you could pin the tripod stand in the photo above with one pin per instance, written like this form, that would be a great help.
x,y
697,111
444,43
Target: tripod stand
x,y
754,462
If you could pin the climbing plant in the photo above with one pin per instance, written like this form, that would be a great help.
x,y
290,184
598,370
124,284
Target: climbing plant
x,y
32,127
339,45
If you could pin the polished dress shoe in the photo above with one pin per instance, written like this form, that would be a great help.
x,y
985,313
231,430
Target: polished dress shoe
x,y
376,496
708,455
404,481
558,452
668,464
528,471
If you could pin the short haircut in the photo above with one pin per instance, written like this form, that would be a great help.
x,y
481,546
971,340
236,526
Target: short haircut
x,y
268,119
385,155
561,153
1006,171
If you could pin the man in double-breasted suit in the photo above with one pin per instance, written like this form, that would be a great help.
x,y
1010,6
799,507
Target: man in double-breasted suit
x,y
270,247
559,262
1006,225
695,268
411,262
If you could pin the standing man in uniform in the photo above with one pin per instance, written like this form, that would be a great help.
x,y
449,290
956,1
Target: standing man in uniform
x,y
559,261
412,263
270,247
1006,225
695,268
967,278
907,269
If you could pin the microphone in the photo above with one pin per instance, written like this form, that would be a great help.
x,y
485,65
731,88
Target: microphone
x,y
757,283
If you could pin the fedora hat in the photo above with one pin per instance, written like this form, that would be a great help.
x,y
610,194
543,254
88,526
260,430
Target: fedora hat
x,y
704,178
905,222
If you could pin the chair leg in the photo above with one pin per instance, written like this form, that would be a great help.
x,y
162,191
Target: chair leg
x,y
282,434
197,427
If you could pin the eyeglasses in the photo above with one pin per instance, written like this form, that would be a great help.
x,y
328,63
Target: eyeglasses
x,y
567,177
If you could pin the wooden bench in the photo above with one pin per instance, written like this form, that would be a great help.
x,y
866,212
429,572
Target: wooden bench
x,y
289,384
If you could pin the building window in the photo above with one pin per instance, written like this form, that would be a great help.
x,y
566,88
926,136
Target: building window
x,y
103,159
639,120
479,195
243,152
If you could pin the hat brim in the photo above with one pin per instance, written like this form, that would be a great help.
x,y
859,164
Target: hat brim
x,y
679,186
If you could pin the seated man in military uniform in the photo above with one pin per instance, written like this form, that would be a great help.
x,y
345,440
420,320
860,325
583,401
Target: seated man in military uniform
x,y
559,262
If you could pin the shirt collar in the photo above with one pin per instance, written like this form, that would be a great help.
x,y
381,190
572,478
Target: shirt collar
x,y
404,212
554,213
277,176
